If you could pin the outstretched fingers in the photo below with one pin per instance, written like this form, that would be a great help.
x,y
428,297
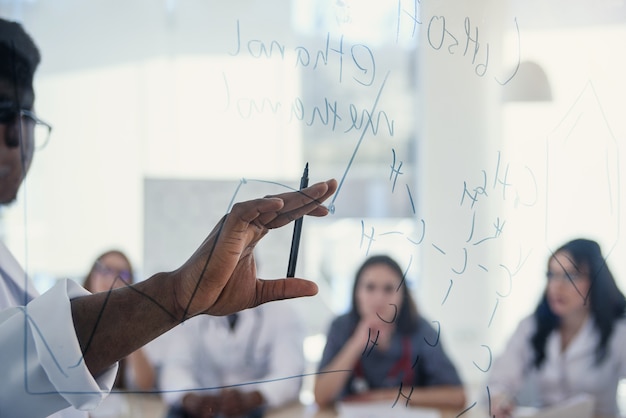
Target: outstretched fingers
x,y
307,201
249,211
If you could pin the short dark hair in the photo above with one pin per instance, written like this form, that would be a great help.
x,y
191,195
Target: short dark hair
x,y
19,56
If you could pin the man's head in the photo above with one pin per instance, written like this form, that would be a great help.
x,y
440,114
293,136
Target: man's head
x,y
19,58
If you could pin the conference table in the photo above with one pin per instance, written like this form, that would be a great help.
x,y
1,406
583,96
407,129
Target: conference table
x,y
311,411
132,405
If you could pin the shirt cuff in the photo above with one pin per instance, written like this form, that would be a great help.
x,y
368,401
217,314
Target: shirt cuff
x,y
58,350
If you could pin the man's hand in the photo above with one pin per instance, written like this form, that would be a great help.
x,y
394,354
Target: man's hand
x,y
235,403
220,277
201,406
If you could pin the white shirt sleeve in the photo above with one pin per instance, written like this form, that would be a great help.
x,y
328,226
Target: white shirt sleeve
x,y
510,368
617,347
42,367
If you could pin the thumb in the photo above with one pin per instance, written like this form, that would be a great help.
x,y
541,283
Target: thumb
x,y
279,289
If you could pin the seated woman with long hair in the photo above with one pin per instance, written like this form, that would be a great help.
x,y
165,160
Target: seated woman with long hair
x,y
574,342
390,351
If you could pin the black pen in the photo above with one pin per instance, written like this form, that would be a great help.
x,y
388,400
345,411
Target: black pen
x,y
297,229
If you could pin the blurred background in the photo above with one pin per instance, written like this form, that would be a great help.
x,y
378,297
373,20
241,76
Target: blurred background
x,y
469,139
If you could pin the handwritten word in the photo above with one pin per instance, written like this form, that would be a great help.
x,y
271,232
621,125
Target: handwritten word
x,y
331,113
441,37
500,180
360,56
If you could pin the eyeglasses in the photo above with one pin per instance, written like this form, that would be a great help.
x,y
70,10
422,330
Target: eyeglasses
x,y
35,130
105,270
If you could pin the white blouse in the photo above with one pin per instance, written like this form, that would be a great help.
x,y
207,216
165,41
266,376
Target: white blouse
x,y
562,374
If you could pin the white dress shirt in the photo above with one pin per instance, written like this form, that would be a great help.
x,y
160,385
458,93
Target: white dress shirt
x,y
264,352
563,374
41,365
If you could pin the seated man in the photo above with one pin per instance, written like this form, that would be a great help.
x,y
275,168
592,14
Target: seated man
x,y
238,365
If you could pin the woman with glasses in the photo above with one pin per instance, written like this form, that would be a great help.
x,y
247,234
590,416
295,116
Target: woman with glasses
x,y
113,270
391,352
574,343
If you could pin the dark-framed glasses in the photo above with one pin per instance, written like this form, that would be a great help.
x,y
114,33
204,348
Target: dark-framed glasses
x,y
35,130
105,270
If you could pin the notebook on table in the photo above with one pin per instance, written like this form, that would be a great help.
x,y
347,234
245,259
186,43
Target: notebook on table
x,y
580,406
383,409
